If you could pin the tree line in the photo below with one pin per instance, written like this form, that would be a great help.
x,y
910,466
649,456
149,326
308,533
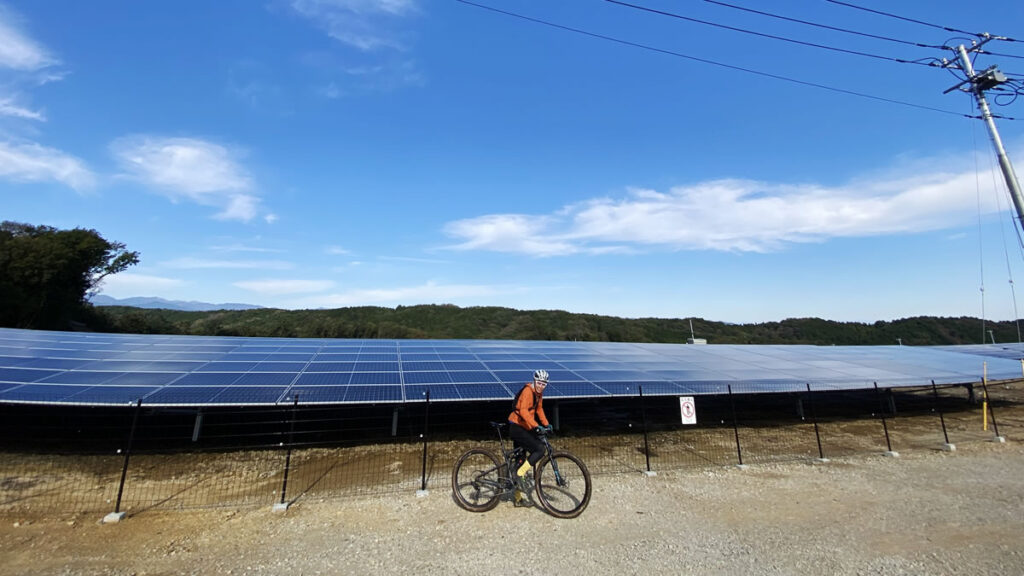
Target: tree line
x,y
486,322
47,276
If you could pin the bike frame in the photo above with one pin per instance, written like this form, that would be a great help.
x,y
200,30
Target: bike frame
x,y
484,481
507,454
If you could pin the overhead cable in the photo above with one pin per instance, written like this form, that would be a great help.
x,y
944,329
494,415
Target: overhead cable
x,y
772,36
825,26
706,61
1001,54
923,23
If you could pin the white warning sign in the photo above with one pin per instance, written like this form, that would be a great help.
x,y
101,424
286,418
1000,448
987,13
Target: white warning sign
x,y
688,409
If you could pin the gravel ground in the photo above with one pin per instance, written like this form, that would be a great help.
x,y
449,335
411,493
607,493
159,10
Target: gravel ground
x,y
927,512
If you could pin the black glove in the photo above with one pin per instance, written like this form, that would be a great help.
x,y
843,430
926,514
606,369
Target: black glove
x,y
538,430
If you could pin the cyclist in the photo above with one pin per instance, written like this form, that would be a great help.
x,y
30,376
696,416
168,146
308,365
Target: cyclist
x,y
526,423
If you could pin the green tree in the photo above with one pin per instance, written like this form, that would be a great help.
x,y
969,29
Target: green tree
x,y
47,274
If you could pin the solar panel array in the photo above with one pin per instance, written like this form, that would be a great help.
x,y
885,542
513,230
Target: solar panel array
x,y
111,369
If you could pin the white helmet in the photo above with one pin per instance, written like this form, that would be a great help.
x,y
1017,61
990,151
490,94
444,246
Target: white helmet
x,y
540,376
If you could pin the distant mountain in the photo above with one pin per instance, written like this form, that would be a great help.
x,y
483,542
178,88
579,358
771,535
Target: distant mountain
x,y
154,302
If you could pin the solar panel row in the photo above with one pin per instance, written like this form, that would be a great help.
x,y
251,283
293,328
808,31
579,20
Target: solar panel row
x,y
86,368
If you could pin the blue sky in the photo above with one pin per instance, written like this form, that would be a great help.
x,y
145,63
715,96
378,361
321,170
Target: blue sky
x,y
331,153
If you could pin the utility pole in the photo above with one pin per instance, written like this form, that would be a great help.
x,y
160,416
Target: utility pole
x,y
990,78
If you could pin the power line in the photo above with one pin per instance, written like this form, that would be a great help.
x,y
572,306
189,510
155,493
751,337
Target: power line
x,y
772,36
706,61
825,26
904,18
1001,54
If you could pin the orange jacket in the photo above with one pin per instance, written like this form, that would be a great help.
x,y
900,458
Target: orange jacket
x,y
529,409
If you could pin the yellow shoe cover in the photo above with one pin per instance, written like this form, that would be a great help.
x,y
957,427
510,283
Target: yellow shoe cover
x,y
524,469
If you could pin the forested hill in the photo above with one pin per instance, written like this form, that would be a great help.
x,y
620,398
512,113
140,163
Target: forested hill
x,y
447,321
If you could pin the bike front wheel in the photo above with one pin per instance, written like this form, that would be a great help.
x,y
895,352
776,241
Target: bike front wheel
x,y
563,485
477,481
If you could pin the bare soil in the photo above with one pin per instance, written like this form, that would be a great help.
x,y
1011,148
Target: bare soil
x,y
928,511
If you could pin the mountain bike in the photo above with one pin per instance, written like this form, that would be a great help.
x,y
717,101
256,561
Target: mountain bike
x,y
560,480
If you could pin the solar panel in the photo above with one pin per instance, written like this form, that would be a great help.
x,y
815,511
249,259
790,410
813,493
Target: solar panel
x,y
110,394
249,395
483,391
472,376
323,378
45,393
66,367
184,395
76,377
25,375
437,391
317,394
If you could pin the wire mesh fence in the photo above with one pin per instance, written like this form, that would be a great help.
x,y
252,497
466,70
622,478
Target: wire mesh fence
x,y
63,459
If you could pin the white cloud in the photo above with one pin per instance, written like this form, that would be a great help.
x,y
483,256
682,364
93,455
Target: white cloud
x,y
362,24
336,251
25,63
240,207
190,169
31,162
331,91
126,284
189,263
9,108
238,247
415,260
733,215
511,233
17,50
278,287
429,293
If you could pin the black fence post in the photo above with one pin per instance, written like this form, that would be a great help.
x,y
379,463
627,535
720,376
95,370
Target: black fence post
x,y
282,505
118,515
885,425
735,428
814,419
643,420
947,446
426,427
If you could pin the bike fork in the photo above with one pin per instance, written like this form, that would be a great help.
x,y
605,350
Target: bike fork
x,y
554,468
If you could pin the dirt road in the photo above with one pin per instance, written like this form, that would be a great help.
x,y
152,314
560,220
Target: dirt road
x,y
927,512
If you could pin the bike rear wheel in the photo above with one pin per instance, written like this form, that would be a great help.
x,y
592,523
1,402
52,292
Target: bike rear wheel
x,y
564,494
477,480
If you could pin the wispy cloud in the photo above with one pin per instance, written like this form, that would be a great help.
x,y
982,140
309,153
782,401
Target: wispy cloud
x,y
336,251
190,169
276,287
732,215
129,284
189,263
330,91
255,84
375,45
429,293
415,260
27,64
31,162
238,247
9,108
363,24
17,50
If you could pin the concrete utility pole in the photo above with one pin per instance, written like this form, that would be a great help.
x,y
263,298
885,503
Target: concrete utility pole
x,y
987,79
